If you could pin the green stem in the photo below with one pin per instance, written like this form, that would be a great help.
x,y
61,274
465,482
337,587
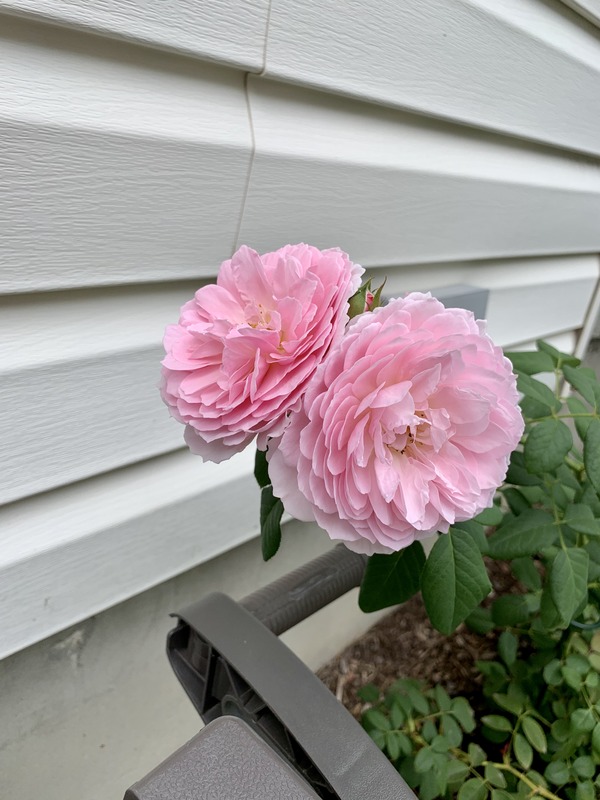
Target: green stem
x,y
535,787
561,416
575,466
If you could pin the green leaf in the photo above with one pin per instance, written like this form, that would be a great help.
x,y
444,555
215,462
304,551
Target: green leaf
x,y
551,619
392,745
497,722
397,716
557,357
596,738
442,698
538,779
368,693
557,773
581,383
507,647
525,535
572,677
261,468
494,776
457,771
424,760
356,304
523,751
271,511
440,744
561,730
378,737
510,609
429,730
500,794
533,410
547,445
454,580
516,501
480,621
593,550
589,497
566,476
434,784
537,391
531,363
591,454
525,571
511,703
585,791
451,730
429,787
477,533
580,518
476,755
490,517
463,712
373,718
575,406
377,295
583,720
552,673
406,747
568,581
473,789
418,700
577,661
518,474
584,767
535,734
391,579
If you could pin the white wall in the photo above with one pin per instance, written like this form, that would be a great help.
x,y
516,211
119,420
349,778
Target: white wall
x,y
142,142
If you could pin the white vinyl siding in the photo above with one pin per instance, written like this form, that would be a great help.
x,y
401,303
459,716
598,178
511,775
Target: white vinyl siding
x,y
142,142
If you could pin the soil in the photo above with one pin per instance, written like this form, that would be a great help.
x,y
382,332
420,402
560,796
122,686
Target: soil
x,y
404,645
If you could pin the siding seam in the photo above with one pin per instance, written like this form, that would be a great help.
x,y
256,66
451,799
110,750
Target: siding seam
x,y
236,242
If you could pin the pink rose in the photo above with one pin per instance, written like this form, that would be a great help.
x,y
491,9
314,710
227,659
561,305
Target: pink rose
x,y
244,349
406,428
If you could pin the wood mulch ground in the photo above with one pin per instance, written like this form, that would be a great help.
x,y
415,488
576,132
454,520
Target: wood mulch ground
x,y
404,645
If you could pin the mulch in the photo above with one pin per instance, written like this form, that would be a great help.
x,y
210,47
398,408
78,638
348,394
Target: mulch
x,y
405,645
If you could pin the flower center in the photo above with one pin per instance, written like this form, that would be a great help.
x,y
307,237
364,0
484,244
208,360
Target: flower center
x,y
412,436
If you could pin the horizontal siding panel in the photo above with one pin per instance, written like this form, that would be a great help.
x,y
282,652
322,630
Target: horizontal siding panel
x,y
391,188
519,66
79,387
140,526
84,400
139,162
68,421
590,9
529,298
232,32
565,342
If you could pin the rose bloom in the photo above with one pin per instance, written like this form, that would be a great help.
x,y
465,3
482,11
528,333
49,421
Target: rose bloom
x,y
406,428
244,349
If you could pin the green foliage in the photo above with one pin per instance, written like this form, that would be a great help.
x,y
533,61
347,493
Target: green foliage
x,y
540,729
271,511
454,580
392,579
271,508
538,733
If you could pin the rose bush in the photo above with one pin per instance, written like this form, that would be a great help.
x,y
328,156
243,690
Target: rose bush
x,y
406,428
245,349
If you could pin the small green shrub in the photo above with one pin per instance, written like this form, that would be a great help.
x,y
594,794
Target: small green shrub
x,y
539,734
